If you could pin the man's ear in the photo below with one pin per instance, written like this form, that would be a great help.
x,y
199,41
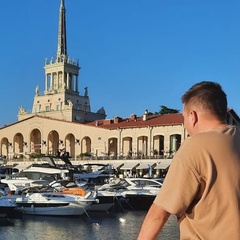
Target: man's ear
x,y
194,118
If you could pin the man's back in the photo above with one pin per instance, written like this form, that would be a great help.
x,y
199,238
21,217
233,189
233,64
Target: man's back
x,y
202,186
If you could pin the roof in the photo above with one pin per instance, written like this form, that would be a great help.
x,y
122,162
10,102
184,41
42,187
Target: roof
x,y
117,122
42,117
233,114
134,121
171,119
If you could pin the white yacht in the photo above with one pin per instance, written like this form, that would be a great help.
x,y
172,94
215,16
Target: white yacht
x,y
134,193
54,203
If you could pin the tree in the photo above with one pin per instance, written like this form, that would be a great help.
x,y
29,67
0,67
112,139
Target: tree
x,y
166,110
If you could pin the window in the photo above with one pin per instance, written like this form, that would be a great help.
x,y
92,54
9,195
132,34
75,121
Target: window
x,y
58,107
37,109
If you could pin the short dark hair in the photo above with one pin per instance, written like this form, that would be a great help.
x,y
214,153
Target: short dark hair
x,y
209,96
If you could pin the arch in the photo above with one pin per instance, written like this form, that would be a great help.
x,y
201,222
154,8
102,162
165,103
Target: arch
x,y
158,145
175,142
5,147
53,143
18,143
127,147
142,146
112,147
35,141
70,144
86,145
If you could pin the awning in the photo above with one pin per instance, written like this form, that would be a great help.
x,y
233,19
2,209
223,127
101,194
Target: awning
x,y
129,166
144,165
165,163
116,165
23,166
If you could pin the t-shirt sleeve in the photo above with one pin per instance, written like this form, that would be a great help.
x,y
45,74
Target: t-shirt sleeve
x,y
179,188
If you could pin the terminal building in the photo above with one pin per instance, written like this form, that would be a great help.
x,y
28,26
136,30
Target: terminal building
x,y
61,120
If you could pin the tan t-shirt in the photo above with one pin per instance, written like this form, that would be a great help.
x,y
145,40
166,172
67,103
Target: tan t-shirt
x,y
202,186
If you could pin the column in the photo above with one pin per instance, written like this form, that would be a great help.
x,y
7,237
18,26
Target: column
x,y
67,81
150,141
46,82
166,145
76,83
51,81
57,83
72,82
120,150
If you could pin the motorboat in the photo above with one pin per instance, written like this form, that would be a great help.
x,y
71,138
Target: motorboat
x,y
14,186
104,201
97,174
46,170
146,184
54,168
141,194
137,199
134,193
7,206
65,178
37,201
39,198
2,172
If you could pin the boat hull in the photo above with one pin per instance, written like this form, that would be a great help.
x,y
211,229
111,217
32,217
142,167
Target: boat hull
x,y
103,204
52,210
138,202
7,211
53,205
8,208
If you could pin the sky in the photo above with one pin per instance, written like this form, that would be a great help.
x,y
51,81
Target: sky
x,y
134,54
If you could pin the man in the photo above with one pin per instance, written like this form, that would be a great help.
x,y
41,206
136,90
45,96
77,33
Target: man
x,y
202,187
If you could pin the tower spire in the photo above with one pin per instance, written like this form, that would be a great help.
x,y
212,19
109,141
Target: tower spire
x,y
62,36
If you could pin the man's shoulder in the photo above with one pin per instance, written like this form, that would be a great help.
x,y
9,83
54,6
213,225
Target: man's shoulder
x,y
216,132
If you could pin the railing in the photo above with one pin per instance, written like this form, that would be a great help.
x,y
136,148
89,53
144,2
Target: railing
x,y
155,157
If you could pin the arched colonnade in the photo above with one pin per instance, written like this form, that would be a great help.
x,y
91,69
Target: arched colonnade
x,y
158,146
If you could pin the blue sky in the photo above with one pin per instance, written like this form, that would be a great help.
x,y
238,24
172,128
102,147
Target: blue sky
x,y
134,54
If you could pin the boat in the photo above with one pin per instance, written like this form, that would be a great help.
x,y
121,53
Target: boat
x,y
2,172
138,199
58,178
141,195
134,193
54,168
98,174
46,170
40,198
104,201
7,206
37,201
14,186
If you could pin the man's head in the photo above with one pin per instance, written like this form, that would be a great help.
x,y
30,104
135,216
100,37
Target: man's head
x,y
205,105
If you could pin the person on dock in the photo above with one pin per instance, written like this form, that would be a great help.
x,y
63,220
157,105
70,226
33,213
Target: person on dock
x,y
202,186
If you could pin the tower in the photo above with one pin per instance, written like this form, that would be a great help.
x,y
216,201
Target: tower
x,y
61,98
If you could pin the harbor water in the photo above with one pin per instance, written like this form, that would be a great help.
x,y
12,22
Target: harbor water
x,y
95,226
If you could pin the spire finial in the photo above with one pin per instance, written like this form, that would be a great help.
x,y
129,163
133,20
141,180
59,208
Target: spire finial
x,y
62,36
